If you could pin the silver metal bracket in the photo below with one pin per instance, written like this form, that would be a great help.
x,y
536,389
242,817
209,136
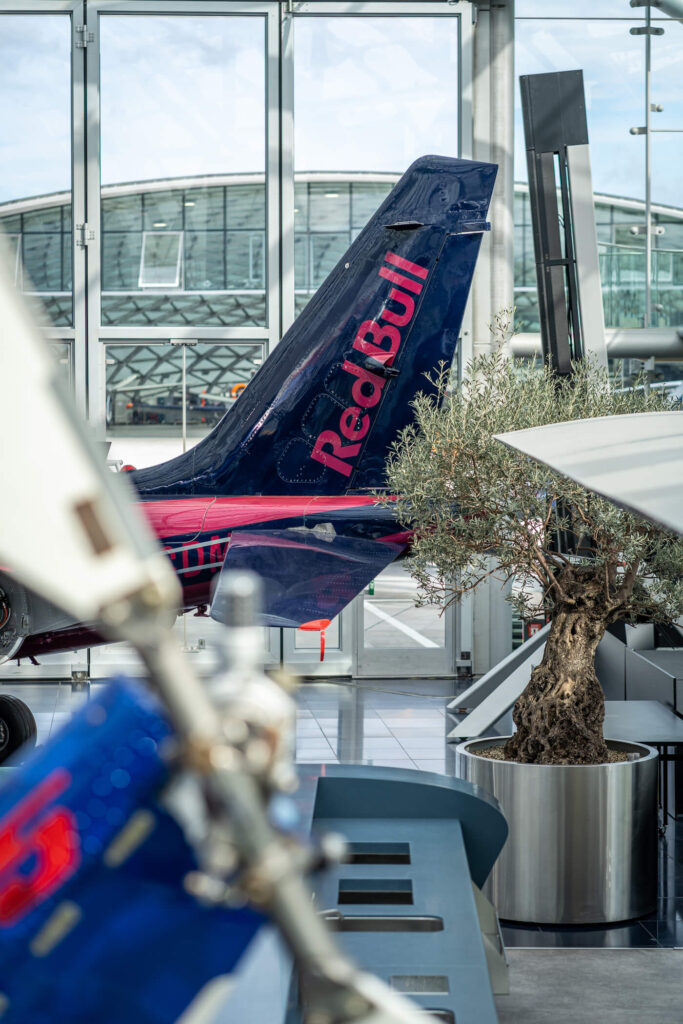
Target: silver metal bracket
x,y
473,227
85,235
83,37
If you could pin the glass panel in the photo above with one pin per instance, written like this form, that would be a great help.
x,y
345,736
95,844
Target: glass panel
x,y
62,352
326,251
613,66
391,619
183,97
576,9
144,387
160,260
35,156
613,71
346,84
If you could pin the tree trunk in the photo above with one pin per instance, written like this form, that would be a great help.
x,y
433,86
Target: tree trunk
x,y
560,714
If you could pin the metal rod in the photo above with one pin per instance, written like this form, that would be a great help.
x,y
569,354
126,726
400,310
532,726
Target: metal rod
x,y
648,183
184,389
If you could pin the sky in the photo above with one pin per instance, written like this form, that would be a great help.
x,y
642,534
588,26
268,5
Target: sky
x,y
186,95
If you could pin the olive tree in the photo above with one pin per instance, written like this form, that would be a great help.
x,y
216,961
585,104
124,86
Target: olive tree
x,y
478,509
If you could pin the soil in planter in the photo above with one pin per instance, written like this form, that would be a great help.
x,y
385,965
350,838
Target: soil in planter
x,y
497,753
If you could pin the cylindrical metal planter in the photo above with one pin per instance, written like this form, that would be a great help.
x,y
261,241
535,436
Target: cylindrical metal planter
x,y
582,847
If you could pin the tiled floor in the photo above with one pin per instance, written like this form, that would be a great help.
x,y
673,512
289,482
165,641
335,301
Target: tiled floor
x,y
404,725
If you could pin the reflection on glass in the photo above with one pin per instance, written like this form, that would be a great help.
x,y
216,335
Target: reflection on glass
x,y
62,352
576,9
622,264
206,246
613,70
144,385
355,112
391,618
35,157
161,258
374,93
183,114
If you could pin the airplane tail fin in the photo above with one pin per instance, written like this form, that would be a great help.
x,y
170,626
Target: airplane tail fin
x,y
320,414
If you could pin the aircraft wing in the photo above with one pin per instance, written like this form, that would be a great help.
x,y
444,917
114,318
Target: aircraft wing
x,y
306,575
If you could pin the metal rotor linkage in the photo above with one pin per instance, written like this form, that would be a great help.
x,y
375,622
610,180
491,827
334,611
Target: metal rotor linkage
x,y
238,776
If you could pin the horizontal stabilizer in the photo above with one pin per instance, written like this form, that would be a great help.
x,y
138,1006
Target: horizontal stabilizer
x,y
305,575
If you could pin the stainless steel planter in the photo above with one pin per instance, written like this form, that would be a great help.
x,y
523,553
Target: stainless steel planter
x,y
582,847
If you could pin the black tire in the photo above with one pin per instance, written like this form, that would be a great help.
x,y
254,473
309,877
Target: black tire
x,y
17,727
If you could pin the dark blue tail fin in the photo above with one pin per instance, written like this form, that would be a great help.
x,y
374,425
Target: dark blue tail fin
x,y
323,409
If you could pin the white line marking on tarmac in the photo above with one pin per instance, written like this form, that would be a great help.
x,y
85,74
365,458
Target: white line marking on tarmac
x,y
393,621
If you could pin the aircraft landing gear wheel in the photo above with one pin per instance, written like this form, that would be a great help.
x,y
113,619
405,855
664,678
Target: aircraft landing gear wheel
x,y
17,727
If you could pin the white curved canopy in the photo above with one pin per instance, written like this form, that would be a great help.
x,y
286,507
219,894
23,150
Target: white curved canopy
x,y
636,461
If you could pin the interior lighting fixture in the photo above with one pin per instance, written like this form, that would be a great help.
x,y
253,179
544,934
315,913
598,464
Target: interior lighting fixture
x,y
331,195
159,224
189,202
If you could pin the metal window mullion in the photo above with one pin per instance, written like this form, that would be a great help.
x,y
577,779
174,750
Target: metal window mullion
x,y
219,335
79,359
286,256
465,73
465,115
194,7
96,355
272,141
405,7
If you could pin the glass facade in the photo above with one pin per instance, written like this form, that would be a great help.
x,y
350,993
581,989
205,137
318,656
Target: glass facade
x,y
206,256
622,263
193,255
206,129
144,384
181,96
35,158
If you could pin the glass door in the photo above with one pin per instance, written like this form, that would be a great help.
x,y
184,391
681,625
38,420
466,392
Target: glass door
x,y
358,123
396,638
184,131
301,649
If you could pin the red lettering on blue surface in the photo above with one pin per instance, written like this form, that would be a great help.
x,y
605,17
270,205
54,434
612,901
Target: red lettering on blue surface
x,y
408,303
404,264
334,458
400,279
381,341
44,843
360,397
216,551
376,348
198,551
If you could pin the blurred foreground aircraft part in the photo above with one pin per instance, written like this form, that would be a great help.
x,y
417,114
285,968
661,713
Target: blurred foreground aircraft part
x,y
635,461
99,561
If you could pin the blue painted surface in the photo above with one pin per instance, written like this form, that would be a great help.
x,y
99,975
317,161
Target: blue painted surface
x,y
355,791
265,444
305,576
140,948
452,833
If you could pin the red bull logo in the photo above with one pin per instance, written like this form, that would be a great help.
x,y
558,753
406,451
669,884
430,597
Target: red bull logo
x,y
381,340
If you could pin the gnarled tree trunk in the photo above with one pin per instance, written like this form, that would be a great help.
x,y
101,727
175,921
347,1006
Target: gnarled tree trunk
x,y
560,714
